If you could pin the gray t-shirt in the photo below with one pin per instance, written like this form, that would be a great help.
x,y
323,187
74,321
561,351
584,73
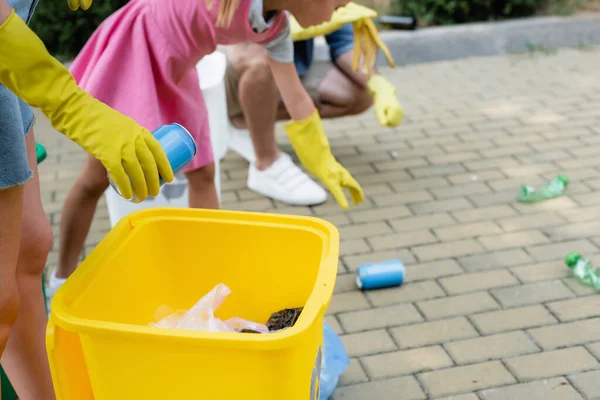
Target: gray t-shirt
x,y
280,49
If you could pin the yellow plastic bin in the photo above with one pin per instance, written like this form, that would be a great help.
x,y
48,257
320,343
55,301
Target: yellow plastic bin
x,y
101,347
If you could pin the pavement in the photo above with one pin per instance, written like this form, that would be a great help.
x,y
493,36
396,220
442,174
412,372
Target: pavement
x,y
488,310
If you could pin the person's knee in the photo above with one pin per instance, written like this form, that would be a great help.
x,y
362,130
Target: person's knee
x,y
257,74
36,243
202,177
93,185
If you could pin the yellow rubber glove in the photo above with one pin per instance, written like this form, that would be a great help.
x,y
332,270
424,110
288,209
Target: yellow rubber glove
x,y
350,13
366,44
312,147
129,152
77,4
366,36
387,107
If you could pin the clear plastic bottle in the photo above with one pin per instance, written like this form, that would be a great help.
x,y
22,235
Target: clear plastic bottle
x,y
583,270
555,188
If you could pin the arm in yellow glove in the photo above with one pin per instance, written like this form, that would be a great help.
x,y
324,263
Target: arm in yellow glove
x,y
308,138
387,107
77,4
129,152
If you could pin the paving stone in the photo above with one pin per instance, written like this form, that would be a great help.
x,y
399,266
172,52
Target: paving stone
x,y
552,363
512,319
512,240
493,260
365,343
447,250
478,281
471,230
541,271
432,270
457,305
406,362
379,318
435,332
569,334
458,203
548,389
422,222
353,262
466,378
484,214
408,293
587,383
532,293
492,347
568,310
400,240
461,397
364,230
558,251
404,388
354,374
349,301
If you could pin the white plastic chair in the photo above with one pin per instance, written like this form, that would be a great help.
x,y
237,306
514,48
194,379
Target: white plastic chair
x,y
211,72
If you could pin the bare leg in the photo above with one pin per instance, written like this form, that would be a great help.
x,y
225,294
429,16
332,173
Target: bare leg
x,y
203,193
11,210
339,96
78,214
259,98
25,357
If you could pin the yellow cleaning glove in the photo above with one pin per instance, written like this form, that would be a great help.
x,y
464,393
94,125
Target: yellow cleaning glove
x,y
129,152
366,37
312,147
387,107
76,4
350,13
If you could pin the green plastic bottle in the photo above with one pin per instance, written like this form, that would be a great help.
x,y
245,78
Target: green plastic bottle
x,y
583,270
555,188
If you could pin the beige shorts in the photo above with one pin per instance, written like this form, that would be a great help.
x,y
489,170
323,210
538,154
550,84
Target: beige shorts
x,y
311,82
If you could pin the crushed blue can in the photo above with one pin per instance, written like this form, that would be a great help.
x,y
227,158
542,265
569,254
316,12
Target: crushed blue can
x,y
179,146
380,275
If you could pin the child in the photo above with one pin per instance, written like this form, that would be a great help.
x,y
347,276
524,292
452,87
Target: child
x,y
141,61
29,76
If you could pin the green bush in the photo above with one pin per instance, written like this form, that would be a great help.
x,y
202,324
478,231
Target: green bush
x,y
64,31
443,12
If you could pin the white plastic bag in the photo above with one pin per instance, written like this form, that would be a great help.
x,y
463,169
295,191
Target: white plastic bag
x,y
201,317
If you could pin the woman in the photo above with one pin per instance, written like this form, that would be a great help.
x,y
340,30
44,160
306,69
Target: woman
x,y
29,76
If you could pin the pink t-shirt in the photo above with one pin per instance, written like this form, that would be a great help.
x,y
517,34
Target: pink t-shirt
x,y
141,61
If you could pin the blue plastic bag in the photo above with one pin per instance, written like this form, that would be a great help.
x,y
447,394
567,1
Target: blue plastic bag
x,y
335,362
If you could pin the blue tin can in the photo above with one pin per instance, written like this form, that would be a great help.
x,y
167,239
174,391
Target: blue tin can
x,y
380,275
179,146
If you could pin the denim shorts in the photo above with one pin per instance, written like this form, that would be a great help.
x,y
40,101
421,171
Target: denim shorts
x,y
16,118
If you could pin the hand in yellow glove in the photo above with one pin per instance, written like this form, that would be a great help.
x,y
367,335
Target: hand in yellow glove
x,y
129,152
387,107
77,4
312,147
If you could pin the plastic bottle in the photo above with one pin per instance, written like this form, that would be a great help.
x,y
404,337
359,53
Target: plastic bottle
x,y
555,188
583,270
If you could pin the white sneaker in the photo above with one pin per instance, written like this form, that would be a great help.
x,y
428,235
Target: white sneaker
x,y
52,287
241,143
285,182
